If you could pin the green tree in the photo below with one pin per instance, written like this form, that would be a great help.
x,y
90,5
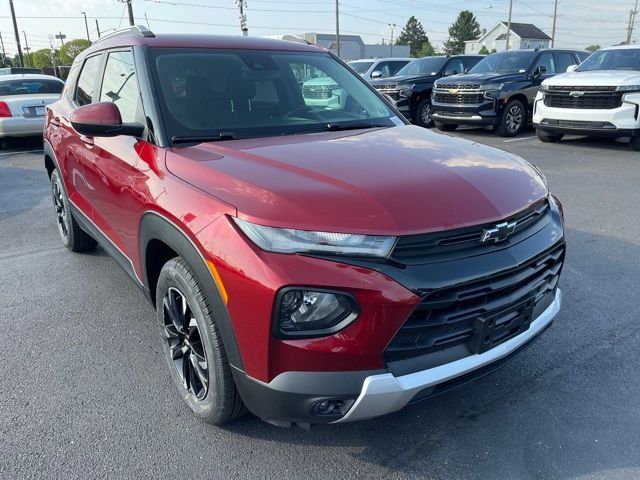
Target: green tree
x,y
427,50
592,48
72,49
413,35
465,28
484,50
42,58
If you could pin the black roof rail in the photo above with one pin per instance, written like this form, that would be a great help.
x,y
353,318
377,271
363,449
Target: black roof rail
x,y
135,29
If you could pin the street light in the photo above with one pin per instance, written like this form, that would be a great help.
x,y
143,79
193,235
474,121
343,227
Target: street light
x,y
392,26
86,26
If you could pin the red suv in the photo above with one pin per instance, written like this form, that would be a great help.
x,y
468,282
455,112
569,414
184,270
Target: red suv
x,y
311,264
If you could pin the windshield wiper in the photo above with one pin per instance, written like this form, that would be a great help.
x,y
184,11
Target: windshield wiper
x,y
334,127
201,138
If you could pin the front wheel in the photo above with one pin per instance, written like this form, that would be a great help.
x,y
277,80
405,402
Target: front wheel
x,y
513,119
193,346
423,114
547,137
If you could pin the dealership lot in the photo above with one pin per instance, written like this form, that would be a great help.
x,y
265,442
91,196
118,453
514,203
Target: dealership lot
x,y
86,392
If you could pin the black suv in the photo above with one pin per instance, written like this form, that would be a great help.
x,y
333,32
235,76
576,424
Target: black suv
x,y
410,88
499,90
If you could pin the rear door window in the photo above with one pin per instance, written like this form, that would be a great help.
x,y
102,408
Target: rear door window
x,y
87,80
563,61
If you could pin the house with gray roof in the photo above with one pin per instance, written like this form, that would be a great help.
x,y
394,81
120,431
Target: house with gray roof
x,y
523,36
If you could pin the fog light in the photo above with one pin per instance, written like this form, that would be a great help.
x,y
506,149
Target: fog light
x,y
330,407
312,313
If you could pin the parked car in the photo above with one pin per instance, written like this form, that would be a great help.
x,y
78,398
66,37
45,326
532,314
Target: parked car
x,y
23,98
600,98
379,67
500,90
311,265
410,88
324,92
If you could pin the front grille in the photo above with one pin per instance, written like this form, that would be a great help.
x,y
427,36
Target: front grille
x,y
317,93
581,88
458,98
412,249
594,101
390,90
459,86
448,317
385,87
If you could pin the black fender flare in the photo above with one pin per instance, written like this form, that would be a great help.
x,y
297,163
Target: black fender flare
x,y
154,226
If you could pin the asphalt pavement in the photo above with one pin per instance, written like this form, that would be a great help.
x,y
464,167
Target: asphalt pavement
x,y
86,394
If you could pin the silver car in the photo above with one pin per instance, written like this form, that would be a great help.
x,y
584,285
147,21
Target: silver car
x,y
378,67
23,98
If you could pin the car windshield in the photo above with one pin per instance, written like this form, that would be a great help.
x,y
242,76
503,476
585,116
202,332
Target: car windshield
x,y
616,59
29,87
423,66
226,94
505,62
360,67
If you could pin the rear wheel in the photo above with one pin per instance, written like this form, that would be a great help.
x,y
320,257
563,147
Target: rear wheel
x,y
72,236
193,347
547,137
446,127
513,120
423,114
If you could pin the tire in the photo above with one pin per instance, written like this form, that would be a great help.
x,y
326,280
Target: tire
x,y
547,137
422,116
634,143
72,236
513,119
446,127
199,366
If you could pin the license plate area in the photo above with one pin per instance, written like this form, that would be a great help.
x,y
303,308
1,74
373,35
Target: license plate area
x,y
491,331
35,111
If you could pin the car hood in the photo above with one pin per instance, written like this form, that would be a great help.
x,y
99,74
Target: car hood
x,y
320,81
404,79
398,180
488,77
603,78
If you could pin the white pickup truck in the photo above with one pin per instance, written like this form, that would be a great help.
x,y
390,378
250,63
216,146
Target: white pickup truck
x,y
601,97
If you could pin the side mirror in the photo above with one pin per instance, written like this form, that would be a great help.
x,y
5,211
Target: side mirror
x,y
103,120
539,70
571,68
448,73
376,74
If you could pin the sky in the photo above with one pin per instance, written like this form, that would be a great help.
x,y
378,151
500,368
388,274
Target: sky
x,y
580,22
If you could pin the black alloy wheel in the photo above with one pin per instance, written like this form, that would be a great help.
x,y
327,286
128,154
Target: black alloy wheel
x,y
513,119
185,343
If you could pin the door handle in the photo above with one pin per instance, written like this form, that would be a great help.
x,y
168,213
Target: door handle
x,y
88,141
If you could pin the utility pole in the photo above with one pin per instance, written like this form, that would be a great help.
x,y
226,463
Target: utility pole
x,y
61,36
145,17
26,48
337,28
553,29
54,61
98,27
4,56
509,23
632,19
86,26
15,32
242,4
132,22
392,26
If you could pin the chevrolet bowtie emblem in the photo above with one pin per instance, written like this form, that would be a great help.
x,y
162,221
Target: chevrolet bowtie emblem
x,y
499,233
453,90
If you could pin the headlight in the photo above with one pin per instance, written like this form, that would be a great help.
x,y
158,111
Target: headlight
x,y
629,88
304,312
287,240
492,86
544,88
406,91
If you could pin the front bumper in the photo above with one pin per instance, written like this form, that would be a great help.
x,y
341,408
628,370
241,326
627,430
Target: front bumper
x,y
623,121
483,114
384,393
21,127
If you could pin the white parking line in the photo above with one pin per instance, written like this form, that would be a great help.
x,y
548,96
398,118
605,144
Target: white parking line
x,y
18,153
518,139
